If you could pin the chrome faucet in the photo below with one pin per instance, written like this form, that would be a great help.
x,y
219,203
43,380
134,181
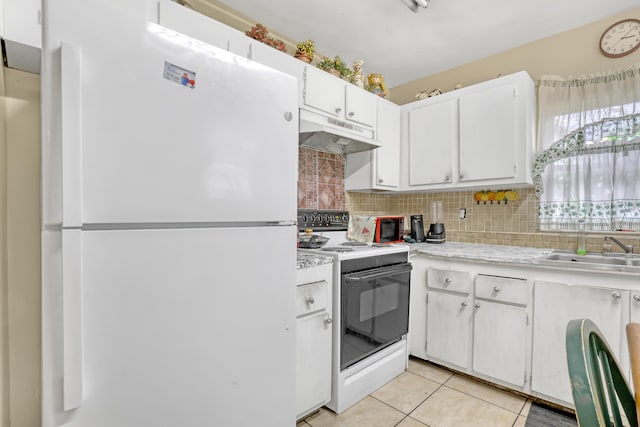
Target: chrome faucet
x,y
627,249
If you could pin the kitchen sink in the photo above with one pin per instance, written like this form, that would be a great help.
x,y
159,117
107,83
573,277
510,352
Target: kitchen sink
x,y
593,260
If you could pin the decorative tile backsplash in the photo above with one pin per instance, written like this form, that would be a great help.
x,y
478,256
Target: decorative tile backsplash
x,y
320,180
321,186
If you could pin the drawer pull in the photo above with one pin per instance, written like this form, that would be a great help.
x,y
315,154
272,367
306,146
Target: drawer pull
x,y
477,305
463,303
310,300
338,110
447,280
616,295
636,298
351,114
496,289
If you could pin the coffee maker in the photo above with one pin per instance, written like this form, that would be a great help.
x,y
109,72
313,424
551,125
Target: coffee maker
x,y
436,232
417,228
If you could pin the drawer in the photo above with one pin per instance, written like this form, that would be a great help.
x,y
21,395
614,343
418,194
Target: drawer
x,y
455,281
312,297
506,289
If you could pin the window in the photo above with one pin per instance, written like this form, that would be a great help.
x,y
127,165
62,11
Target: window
x,y
588,166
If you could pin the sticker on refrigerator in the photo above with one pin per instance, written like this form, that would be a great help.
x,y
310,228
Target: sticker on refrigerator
x,y
179,75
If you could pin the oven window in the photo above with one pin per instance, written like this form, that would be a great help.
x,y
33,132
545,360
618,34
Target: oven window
x,y
378,301
375,311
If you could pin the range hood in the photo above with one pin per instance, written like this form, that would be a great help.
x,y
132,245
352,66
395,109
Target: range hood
x,y
328,134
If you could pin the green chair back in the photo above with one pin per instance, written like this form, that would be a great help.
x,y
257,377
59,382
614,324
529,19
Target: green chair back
x,y
599,388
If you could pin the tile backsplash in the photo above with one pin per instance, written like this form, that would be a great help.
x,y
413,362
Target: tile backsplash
x,y
320,180
321,186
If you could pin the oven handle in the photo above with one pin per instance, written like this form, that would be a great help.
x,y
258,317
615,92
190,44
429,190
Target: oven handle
x,y
388,271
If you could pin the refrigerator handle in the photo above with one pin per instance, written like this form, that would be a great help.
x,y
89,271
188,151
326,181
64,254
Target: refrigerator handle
x,y
72,319
71,138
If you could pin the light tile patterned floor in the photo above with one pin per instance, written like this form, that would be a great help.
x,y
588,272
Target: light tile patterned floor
x,y
428,396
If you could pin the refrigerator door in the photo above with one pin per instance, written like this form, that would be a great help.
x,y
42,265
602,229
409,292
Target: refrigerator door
x,y
151,126
173,327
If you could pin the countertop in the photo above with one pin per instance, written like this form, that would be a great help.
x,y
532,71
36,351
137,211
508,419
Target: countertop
x,y
307,260
481,252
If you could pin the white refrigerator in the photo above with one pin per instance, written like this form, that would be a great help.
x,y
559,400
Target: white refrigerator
x,y
169,173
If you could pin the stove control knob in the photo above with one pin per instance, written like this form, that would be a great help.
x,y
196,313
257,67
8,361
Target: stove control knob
x,y
326,219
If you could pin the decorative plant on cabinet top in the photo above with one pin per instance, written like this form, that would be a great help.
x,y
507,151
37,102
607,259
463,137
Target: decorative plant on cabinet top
x,y
259,32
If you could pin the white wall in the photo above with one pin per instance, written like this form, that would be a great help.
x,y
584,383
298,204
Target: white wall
x,y
20,261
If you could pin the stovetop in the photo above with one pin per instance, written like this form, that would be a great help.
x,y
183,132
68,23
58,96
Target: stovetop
x,y
353,250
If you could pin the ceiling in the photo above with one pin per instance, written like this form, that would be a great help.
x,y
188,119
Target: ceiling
x,y
405,46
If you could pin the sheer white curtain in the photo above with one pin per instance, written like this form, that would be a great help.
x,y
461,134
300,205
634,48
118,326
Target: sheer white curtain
x,y
588,162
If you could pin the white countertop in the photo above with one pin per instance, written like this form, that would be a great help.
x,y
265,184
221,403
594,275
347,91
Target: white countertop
x,y
481,252
308,260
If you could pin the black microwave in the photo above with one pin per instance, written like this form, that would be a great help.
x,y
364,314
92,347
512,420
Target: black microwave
x,y
389,229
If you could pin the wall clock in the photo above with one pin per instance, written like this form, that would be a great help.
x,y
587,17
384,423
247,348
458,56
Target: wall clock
x,y
621,39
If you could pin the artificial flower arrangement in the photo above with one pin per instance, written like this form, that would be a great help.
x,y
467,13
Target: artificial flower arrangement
x,y
259,32
305,50
337,64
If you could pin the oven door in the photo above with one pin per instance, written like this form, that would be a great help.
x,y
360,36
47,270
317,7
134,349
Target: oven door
x,y
375,311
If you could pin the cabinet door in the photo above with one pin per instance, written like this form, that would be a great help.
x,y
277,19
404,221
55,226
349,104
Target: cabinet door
x,y
361,106
499,341
433,131
313,362
448,327
271,57
201,27
554,305
418,307
387,157
488,134
324,92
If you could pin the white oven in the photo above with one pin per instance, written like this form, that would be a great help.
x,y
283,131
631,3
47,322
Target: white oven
x,y
370,311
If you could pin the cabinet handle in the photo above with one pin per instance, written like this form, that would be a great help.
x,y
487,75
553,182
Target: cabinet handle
x,y
477,305
380,181
616,295
310,300
461,176
464,303
328,320
338,110
496,289
447,178
351,114
447,280
636,298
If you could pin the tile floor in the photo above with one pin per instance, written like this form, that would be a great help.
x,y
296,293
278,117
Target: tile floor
x,y
426,395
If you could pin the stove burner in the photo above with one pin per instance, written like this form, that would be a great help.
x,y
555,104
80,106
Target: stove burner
x,y
337,249
353,243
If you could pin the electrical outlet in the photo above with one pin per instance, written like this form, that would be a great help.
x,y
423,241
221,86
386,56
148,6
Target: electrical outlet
x,y
463,213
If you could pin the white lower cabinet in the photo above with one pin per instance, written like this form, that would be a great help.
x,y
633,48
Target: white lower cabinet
x,y
482,330
313,335
448,327
555,305
449,310
499,341
510,328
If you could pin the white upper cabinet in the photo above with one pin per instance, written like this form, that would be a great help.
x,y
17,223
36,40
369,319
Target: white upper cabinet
x,y
378,169
271,57
489,134
201,27
208,30
430,156
338,98
476,137
22,33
